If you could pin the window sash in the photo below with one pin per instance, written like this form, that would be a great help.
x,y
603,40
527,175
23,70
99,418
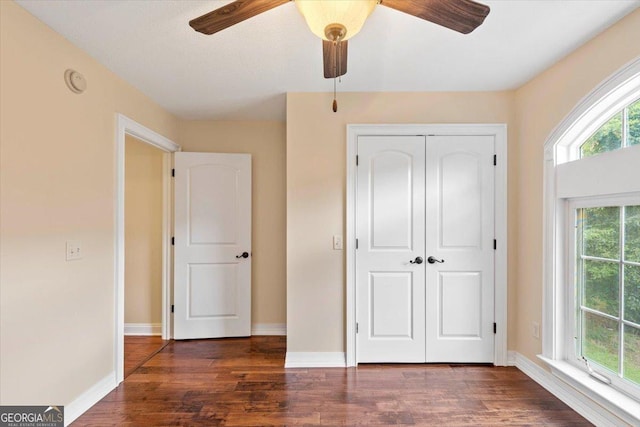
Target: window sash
x,y
573,296
624,143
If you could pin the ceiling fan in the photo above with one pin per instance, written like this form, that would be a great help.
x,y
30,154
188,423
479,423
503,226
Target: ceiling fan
x,y
336,21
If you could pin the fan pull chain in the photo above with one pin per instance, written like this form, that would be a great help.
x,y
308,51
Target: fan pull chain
x,y
335,74
337,68
339,61
335,101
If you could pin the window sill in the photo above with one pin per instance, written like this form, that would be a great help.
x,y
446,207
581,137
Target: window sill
x,y
606,396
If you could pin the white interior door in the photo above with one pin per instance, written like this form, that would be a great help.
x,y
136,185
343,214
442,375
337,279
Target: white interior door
x,y
212,282
425,197
460,232
390,230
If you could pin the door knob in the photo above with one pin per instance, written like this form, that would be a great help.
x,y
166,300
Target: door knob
x,y
418,260
433,260
243,255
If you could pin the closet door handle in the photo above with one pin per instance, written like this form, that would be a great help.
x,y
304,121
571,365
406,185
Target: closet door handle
x,y
418,260
433,260
243,255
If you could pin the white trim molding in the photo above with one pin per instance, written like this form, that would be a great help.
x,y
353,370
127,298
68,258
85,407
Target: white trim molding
x,y
599,411
125,126
275,329
499,131
143,329
89,398
594,393
314,360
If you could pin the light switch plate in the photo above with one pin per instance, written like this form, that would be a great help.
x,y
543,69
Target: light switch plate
x,y
74,250
337,243
535,329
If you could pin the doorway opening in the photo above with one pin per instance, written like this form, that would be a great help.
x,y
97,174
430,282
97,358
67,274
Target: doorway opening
x,y
127,127
143,253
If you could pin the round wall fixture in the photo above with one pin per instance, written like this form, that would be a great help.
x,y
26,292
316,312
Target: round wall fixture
x,y
75,81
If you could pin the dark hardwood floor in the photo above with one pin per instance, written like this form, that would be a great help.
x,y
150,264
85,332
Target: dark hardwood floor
x,y
242,382
139,349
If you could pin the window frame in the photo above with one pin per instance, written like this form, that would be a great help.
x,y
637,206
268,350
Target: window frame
x,y
572,329
613,94
575,150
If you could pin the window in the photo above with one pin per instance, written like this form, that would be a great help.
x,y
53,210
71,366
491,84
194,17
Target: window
x,y
591,288
603,281
607,290
622,130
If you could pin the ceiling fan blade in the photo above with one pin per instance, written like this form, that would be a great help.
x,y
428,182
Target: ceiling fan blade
x,y
463,16
231,14
334,65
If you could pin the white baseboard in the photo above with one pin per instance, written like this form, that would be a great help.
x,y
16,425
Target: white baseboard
x,y
577,401
315,360
511,358
146,329
269,329
89,398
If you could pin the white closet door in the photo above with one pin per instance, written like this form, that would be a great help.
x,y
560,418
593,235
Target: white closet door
x,y
390,230
460,232
425,197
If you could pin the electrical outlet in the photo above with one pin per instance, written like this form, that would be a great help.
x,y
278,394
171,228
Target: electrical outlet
x,y
535,330
337,243
74,250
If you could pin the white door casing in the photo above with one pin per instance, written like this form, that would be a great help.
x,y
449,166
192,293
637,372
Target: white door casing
x,y
460,232
127,126
457,295
212,283
499,133
390,229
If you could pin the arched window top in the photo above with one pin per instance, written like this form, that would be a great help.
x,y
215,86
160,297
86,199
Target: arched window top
x,y
617,93
621,130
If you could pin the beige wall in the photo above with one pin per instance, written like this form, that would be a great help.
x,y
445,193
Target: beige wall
x,y
316,169
57,183
541,105
143,232
265,141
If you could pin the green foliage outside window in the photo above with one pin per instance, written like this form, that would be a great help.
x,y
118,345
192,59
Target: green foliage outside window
x,y
609,263
634,123
622,130
608,268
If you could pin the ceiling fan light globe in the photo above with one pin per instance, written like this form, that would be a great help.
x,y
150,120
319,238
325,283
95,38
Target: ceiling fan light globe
x,y
320,14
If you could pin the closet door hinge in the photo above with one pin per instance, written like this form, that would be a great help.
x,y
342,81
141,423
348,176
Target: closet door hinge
x,y
356,327
495,328
495,244
173,173
172,307
356,243
495,160
357,159
173,241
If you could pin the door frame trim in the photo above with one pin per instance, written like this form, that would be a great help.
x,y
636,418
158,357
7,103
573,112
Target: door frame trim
x,y
499,132
126,126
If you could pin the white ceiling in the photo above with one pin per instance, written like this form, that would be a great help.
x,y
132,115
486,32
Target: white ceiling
x,y
244,71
